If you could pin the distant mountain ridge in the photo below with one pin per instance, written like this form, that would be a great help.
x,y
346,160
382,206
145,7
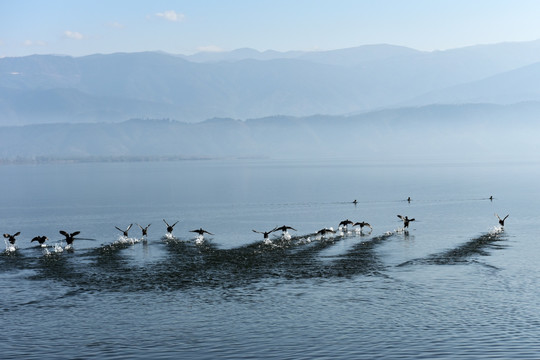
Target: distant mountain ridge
x,y
246,84
449,133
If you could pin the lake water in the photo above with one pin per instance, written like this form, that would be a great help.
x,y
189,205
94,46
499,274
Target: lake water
x,y
453,286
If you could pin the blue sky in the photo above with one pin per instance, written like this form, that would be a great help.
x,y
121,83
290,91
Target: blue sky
x,y
184,27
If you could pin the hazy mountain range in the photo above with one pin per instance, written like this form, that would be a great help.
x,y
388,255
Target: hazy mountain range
x,y
435,133
245,83
370,99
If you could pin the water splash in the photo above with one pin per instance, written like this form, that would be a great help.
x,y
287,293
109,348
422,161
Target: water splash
x,y
127,240
496,230
199,240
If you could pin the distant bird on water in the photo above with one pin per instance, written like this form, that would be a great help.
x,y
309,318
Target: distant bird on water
x,y
362,224
144,229
501,221
69,237
406,220
201,232
409,199
491,198
170,227
40,239
125,232
11,238
355,202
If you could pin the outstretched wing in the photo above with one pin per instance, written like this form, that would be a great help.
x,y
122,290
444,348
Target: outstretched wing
x,y
129,227
64,233
18,232
166,222
401,217
117,228
174,224
506,217
75,233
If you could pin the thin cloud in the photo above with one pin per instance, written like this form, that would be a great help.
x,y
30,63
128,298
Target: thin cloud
x,y
116,25
33,43
73,35
170,15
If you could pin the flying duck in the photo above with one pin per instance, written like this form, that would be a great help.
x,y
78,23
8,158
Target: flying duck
x,y
406,220
69,237
362,224
324,231
125,232
501,221
11,238
284,228
40,239
170,227
265,233
201,232
144,229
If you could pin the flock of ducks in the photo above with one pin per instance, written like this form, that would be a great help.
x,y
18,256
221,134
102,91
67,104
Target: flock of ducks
x,y
343,226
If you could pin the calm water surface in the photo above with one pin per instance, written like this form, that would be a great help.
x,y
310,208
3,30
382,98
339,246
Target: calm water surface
x,y
453,285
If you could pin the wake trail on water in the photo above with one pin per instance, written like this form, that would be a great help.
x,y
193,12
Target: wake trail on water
x,y
464,253
194,263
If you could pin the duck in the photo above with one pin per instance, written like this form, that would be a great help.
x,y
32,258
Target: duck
x,y
362,224
501,221
201,232
324,231
125,232
406,220
265,233
144,229
284,228
69,236
40,239
11,238
170,227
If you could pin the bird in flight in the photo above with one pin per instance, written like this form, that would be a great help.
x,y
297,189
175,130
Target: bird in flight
x,y
501,221
125,232
11,238
201,232
170,227
406,220
144,229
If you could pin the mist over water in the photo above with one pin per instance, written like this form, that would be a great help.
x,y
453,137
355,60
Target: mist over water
x,y
455,284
